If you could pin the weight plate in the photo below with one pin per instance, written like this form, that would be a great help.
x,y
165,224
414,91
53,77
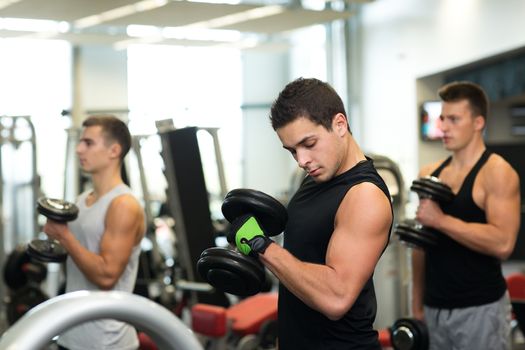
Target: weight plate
x,y
22,301
418,236
57,209
231,272
432,188
13,276
270,213
46,250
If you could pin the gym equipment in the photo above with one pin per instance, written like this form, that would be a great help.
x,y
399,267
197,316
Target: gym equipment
x,y
34,330
409,334
388,274
23,300
58,210
19,186
23,277
412,232
188,201
228,270
249,324
516,287
20,269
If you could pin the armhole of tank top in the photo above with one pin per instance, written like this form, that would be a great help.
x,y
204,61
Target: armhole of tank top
x,y
441,166
473,173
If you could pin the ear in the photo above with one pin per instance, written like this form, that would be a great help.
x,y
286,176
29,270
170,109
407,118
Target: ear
x,y
340,124
115,150
479,123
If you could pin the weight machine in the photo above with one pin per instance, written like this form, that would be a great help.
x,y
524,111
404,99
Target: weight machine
x,y
19,186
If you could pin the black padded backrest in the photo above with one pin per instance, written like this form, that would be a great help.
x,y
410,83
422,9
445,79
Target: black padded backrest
x,y
187,197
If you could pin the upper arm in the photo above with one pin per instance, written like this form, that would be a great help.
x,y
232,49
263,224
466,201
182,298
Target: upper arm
x,y
361,232
502,201
124,227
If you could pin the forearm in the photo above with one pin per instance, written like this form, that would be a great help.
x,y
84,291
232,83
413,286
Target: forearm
x,y
418,278
481,237
318,286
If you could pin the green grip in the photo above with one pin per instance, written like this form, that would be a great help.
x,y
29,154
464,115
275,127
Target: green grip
x,y
248,230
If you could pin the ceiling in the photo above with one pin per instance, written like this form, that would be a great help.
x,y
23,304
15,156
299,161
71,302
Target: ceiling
x,y
85,22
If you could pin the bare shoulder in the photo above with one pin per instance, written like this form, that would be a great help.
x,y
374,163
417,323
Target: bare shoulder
x,y
126,203
499,174
366,197
427,169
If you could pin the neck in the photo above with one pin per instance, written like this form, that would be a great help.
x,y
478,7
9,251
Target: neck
x,y
105,182
469,155
353,154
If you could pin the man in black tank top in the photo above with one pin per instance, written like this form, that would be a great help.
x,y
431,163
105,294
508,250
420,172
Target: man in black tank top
x,y
338,226
459,289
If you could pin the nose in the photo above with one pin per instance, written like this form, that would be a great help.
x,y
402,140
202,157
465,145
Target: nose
x,y
303,159
78,148
442,125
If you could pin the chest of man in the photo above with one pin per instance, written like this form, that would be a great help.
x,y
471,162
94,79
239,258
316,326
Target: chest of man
x,y
456,179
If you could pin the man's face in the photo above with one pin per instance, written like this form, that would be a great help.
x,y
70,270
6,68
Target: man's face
x,y
92,150
318,151
458,124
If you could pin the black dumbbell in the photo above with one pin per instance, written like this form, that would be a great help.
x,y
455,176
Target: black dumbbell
x,y
48,250
20,270
409,334
19,302
412,232
228,270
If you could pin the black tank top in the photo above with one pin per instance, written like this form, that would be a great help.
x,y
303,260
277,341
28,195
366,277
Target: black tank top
x,y
311,215
456,276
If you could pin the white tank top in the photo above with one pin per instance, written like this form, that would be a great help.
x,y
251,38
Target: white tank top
x,y
88,229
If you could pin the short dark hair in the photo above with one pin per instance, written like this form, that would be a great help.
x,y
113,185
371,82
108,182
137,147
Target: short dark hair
x,y
466,90
113,130
309,98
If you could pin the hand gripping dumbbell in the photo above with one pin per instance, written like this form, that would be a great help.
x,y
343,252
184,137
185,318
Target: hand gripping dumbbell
x,y
239,273
49,250
409,334
412,232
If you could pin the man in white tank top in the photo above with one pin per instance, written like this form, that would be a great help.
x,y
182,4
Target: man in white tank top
x,y
103,243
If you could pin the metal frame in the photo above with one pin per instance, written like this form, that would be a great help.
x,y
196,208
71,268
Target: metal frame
x,y
34,330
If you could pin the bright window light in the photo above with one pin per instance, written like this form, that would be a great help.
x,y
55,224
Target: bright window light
x,y
36,81
143,31
119,12
202,34
239,17
33,25
228,2
193,86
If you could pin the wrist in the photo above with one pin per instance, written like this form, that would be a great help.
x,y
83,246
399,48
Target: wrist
x,y
262,244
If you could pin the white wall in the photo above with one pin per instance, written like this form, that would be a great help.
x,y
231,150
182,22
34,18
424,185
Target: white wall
x,y
406,39
266,165
103,79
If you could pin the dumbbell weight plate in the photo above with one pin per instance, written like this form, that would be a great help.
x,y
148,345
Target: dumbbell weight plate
x,y
16,273
231,272
270,213
46,251
13,276
22,301
420,236
433,188
268,335
57,209
409,334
